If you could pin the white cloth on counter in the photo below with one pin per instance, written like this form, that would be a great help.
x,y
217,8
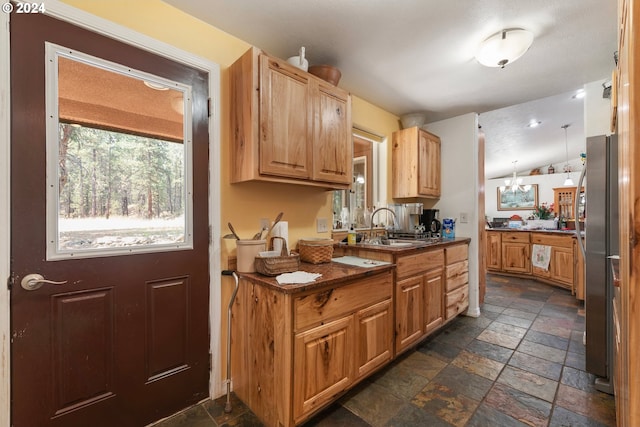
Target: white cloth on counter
x,y
297,277
541,256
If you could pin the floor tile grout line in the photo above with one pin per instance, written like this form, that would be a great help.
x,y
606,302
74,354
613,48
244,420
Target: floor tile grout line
x,y
553,403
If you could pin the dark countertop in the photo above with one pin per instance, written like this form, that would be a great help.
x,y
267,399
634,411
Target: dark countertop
x,y
516,230
333,273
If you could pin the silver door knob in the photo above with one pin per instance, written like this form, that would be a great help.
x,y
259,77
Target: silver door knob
x,y
31,282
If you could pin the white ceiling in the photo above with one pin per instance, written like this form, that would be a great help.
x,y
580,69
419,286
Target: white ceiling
x,y
418,55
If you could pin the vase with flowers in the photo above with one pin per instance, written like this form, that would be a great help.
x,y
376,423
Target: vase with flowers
x,y
543,211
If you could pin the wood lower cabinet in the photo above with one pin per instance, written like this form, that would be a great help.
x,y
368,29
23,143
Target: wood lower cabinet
x,y
415,164
516,253
419,296
428,291
288,125
493,251
375,337
562,265
578,284
433,300
322,364
409,311
566,264
457,280
292,354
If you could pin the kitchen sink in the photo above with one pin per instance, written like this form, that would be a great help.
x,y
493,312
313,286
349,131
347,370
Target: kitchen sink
x,y
359,262
398,243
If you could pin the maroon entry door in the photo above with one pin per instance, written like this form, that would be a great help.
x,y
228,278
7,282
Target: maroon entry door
x,y
125,340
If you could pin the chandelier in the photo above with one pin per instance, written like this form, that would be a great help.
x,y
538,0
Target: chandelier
x,y
515,183
567,168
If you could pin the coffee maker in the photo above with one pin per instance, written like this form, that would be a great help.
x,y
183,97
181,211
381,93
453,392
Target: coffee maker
x,y
431,222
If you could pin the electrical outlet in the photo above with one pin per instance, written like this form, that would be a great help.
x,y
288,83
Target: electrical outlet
x,y
464,217
264,223
322,225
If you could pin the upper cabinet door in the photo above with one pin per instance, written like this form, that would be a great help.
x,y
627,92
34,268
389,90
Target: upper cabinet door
x,y
286,120
429,165
415,164
332,146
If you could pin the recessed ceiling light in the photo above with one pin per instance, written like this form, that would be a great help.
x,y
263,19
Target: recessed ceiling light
x,y
580,93
534,123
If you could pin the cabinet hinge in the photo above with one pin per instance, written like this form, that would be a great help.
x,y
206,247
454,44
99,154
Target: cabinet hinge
x,y
209,107
10,281
210,235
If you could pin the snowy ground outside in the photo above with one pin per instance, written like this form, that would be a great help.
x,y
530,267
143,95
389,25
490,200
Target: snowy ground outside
x,y
92,233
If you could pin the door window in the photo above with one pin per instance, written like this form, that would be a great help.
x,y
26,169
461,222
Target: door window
x,y
118,159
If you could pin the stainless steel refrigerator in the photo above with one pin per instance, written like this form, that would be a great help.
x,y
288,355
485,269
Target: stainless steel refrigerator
x,y
601,241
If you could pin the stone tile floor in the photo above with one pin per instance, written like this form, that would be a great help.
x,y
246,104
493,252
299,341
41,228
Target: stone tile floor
x,y
521,363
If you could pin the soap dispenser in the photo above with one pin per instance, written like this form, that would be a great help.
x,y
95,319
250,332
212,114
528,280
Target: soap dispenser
x,y
351,236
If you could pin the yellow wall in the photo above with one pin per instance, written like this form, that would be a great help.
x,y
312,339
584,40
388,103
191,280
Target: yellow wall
x,y
242,204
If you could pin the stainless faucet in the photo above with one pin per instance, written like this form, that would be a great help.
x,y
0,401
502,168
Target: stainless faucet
x,y
378,240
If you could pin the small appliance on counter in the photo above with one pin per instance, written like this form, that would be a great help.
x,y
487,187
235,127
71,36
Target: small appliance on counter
x,y
408,215
430,220
412,224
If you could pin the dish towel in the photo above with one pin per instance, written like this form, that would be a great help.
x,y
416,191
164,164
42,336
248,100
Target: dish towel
x,y
297,277
541,256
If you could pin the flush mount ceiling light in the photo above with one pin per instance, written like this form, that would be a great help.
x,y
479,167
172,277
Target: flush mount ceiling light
x,y
515,183
534,123
567,182
580,93
504,47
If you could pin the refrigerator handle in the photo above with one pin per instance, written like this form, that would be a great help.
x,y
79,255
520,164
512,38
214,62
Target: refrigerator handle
x,y
577,205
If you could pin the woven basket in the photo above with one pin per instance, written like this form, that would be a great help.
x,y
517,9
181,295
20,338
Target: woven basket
x,y
315,251
275,265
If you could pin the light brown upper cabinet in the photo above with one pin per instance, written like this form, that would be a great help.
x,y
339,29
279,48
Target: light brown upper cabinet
x,y
415,164
288,125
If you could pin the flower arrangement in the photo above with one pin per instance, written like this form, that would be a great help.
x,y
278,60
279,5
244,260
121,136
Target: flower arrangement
x,y
543,211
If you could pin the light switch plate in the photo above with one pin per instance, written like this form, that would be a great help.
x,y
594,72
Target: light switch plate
x,y
322,225
464,217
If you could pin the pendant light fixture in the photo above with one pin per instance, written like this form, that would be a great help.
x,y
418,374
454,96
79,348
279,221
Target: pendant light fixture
x,y
515,183
504,47
567,182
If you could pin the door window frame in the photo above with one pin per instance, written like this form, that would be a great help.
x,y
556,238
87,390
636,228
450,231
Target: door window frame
x,y
54,252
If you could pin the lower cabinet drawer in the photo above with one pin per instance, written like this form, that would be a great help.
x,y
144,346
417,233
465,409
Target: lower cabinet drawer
x,y
457,253
457,275
456,301
316,308
410,265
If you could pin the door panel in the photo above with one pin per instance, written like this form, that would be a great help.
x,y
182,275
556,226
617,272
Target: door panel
x,y
124,341
82,378
168,327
